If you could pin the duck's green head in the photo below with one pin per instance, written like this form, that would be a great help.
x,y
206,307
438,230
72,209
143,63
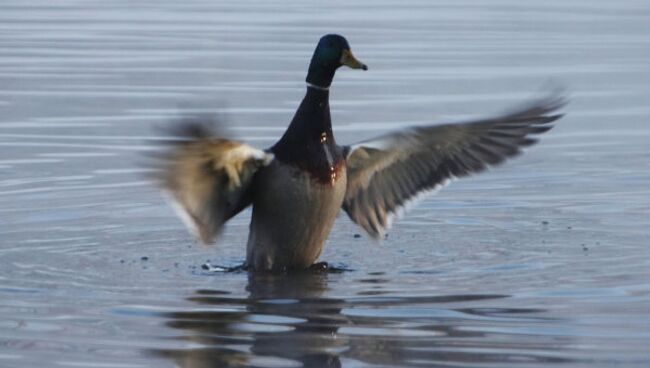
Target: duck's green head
x,y
332,52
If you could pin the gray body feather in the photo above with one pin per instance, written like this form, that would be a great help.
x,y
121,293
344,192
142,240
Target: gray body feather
x,y
292,216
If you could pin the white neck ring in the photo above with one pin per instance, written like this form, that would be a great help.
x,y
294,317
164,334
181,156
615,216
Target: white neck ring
x,y
318,87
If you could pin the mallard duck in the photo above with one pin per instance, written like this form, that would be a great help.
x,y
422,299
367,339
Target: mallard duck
x,y
298,186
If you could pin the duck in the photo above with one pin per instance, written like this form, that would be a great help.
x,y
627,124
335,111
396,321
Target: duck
x,y
298,186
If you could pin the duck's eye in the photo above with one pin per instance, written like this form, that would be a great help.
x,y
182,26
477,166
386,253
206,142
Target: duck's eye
x,y
331,44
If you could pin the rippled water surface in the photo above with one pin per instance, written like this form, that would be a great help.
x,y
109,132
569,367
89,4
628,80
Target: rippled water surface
x,y
544,261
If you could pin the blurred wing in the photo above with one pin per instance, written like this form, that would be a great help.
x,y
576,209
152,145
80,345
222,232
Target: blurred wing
x,y
208,179
386,172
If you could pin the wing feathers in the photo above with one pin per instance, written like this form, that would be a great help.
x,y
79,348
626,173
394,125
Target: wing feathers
x,y
207,179
385,173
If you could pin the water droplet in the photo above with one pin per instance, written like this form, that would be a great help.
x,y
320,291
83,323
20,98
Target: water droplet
x,y
323,137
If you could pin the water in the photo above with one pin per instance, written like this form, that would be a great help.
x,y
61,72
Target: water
x,y
541,262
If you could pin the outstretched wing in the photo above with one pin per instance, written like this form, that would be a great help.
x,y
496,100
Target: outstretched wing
x,y
207,179
386,172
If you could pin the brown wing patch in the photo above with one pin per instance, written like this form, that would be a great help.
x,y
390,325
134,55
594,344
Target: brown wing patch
x,y
208,179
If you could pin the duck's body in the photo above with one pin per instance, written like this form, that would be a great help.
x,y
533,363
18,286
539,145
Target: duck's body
x,y
298,186
293,214
297,197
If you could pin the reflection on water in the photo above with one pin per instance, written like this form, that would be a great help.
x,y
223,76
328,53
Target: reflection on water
x,y
286,320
